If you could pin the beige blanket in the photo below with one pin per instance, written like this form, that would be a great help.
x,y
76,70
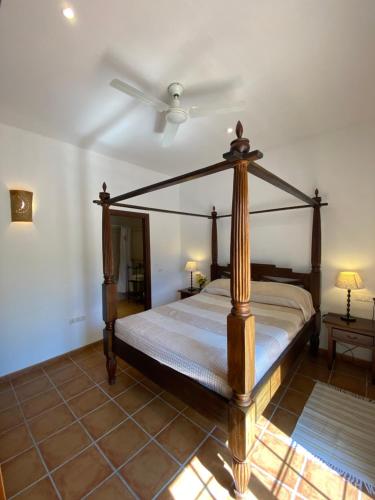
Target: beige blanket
x,y
190,336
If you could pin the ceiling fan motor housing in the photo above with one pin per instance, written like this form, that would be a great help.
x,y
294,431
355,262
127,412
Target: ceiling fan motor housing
x,y
175,89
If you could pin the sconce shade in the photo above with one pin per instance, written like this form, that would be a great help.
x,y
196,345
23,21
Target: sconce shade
x,y
21,205
191,266
350,280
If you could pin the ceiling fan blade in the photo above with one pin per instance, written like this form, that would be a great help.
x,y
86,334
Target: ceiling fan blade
x,y
200,111
170,132
141,96
212,88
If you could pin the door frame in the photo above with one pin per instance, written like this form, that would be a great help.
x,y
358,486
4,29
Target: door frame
x,y
146,248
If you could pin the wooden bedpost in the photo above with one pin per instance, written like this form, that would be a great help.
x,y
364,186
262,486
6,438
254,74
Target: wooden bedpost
x,y
214,251
240,325
316,273
109,287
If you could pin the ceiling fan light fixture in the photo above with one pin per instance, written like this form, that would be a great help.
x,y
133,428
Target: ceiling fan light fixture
x,y
176,115
229,130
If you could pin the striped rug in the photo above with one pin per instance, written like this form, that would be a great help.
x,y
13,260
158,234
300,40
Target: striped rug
x,y
338,428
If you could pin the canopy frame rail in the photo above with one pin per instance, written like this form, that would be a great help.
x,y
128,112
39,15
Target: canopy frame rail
x,y
152,209
231,159
269,210
205,216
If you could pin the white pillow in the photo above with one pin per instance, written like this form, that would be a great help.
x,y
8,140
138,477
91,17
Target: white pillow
x,y
268,292
218,287
282,294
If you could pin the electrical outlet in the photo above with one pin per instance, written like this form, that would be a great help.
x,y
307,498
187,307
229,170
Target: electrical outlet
x,y
362,297
78,319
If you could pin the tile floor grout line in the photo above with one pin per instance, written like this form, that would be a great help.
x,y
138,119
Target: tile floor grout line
x,y
257,440
63,403
264,428
275,480
114,474
300,475
34,417
12,428
17,454
41,458
153,437
157,396
21,401
42,365
183,465
29,486
61,428
117,471
277,405
34,379
93,442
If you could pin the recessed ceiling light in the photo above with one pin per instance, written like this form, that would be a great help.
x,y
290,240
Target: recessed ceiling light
x,y
229,130
68,12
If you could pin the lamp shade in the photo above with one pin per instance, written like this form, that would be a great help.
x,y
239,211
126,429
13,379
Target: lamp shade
x,y
350,280
191,266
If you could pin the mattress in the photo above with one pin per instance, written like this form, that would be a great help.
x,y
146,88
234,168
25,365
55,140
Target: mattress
x,y
190,336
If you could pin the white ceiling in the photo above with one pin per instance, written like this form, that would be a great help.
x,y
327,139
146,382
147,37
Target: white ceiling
x,y
304,67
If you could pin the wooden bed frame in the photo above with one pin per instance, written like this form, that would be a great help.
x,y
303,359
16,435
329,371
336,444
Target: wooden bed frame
x,y
239,414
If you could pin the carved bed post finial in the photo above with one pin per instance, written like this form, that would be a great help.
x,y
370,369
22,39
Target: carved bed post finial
x,y
214,249
316,257
239,145
239,129
109,287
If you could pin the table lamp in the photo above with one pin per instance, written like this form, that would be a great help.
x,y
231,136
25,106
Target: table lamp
x,y
349,280
191,266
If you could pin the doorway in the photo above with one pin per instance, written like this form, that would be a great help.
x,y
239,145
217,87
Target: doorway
x,y
131,261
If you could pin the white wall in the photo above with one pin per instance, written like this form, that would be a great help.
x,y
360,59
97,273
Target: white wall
x,y
51,269
342,166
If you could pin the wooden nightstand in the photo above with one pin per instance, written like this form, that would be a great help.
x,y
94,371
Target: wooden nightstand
x,y
186,292
360,333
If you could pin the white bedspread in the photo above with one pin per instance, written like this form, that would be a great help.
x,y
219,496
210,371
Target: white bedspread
x,y
190,336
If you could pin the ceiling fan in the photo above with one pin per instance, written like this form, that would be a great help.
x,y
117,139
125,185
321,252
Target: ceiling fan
x,y
175,114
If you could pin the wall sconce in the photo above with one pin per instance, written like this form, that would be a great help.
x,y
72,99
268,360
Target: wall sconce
x,y
21,205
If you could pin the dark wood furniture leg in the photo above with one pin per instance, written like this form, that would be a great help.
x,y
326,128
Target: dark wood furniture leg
x,y
331,348
373,366
315,286
214,245
241,337
109,288
2,489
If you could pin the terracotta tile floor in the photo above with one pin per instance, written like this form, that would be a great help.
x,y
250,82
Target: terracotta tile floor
x,y
64,433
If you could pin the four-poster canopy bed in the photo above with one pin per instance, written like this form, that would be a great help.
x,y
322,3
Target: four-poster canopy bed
x,y
248,397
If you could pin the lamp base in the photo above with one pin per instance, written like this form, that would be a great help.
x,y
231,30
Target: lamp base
x,y
348,319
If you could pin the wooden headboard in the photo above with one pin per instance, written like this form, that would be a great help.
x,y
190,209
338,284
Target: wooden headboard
x,y
267,272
